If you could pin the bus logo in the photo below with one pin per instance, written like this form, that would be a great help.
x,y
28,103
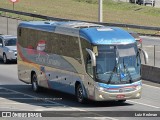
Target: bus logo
x,y
121,90
41,45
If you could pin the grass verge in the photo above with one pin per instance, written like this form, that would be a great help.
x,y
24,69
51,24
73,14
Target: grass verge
x,y
114,12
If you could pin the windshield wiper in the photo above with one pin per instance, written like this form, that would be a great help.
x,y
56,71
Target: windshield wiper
x,y
125,67
115,67
110,78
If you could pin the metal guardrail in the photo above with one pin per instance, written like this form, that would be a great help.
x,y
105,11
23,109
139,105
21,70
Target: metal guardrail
x,y
61,19
153,54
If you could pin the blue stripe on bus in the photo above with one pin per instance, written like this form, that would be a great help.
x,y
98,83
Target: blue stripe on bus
x,y
139,83
114,36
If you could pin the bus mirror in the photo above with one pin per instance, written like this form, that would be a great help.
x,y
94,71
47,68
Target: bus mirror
x,y
93,57
145,55
95,50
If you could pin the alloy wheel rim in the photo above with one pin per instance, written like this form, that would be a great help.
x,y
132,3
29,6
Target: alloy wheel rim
x,y
34,84
80,94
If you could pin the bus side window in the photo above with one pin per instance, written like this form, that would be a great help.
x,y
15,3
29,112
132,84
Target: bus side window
x,y
89,67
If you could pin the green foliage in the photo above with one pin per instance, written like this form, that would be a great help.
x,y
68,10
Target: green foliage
x,y
126,6
115,12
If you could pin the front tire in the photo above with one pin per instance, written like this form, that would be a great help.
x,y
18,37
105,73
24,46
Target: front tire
x,y
35,85
80,94
5,60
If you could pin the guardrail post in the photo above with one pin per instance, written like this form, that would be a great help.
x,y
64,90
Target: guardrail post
x,y
143,2
152,4
7,25
17,22
154,55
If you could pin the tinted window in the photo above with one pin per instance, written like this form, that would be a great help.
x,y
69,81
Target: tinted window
x,y
64,45
50,42
87,60
10,42
85,44
0,40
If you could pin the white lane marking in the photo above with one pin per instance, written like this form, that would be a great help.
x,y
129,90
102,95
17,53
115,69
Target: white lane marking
x,y
73,108
12,108
37,99
31,104
143,104
101,118
53,109
151,86
31,96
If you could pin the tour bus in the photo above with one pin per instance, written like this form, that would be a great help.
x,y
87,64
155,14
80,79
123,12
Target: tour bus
x,y
90,61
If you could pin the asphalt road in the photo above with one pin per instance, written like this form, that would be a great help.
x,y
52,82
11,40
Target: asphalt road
x,y
18,96
150,40
148,45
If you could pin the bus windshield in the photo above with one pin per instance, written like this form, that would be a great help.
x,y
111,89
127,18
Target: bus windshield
x,y
118,64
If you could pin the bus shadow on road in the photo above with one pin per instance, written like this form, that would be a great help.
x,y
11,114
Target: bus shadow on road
x,y
9,63
23,94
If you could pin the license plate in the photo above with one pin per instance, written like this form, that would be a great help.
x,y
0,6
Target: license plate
x,y
120,96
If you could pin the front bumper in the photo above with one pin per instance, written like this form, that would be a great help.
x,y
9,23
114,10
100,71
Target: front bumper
x,y
106,96
109,92
12,55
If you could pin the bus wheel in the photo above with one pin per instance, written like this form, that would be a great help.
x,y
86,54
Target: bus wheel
x,y
35,86
5,60
79,94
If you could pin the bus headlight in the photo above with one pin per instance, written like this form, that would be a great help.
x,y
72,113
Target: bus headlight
x,y
138,94
101,89
138,87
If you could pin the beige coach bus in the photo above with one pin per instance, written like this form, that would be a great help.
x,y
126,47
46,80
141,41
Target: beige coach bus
x,y
87,60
